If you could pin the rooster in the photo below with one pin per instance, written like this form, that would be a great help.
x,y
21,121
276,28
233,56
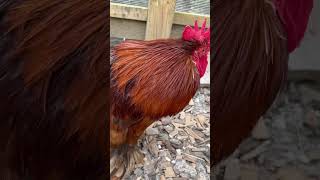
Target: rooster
x,y
150,80
252,41
53,89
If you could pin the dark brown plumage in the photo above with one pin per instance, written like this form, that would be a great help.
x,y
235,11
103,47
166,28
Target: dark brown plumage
x,y
53,89
249,67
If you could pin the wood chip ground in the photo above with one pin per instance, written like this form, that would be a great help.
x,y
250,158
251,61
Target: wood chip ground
x,y
177,148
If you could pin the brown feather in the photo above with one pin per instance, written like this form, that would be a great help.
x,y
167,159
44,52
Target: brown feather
x,y
149,80
249,66
53,89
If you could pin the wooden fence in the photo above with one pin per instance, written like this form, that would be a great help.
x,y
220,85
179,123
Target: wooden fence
x,y
159,20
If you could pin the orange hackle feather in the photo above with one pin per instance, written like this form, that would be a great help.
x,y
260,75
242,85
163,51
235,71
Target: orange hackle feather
x,y
162,72
149,80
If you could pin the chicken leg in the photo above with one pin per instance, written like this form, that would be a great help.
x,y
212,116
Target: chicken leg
x,y
124,151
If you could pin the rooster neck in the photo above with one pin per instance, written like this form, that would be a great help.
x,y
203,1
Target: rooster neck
x,y
199,54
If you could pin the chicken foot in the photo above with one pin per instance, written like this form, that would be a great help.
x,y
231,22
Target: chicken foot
x,y
123,160
125,156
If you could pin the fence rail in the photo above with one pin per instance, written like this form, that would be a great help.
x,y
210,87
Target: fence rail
x,y
160,18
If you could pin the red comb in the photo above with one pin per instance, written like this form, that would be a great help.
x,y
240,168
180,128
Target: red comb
x,y
196,34
196,25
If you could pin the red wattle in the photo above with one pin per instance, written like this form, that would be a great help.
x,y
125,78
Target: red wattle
x,y
202,66
294,15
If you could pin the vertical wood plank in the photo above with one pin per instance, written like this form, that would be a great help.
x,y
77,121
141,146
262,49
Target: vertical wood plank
x,y
160,19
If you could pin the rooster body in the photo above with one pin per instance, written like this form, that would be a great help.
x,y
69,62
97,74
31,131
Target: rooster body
x,y
252,42
150,80
53,89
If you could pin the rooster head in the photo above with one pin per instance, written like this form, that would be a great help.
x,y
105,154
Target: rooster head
x,y
202,38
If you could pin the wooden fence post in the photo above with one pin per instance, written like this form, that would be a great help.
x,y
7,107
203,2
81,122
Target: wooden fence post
x,y
160,19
